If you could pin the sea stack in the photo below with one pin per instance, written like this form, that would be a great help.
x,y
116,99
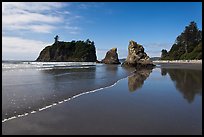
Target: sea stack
x,y
111,57
74,51
137,57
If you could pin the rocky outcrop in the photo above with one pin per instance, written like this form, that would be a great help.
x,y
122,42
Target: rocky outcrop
x,y
78,51
111,57
137,57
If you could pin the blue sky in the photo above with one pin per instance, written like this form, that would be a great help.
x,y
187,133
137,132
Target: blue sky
x,y
28,27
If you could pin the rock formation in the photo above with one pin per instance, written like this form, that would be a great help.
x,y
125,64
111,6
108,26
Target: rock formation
x,y
137,57
111,57
78,51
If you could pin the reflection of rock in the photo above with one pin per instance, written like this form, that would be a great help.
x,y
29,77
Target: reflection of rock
x,y
111,57
136,81
188,82
137,57
163,72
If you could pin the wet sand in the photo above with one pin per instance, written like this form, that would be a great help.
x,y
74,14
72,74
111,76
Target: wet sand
x,y
28,90
179,61
197,66
149,104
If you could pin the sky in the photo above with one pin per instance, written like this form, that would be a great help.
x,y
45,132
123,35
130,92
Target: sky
x,y
28,27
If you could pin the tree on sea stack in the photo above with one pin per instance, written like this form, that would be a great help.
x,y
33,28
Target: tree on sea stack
x,y
164,53
56,39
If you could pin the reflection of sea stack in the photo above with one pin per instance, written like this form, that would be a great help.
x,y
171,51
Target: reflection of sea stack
x,y
137,57
136,81
111,57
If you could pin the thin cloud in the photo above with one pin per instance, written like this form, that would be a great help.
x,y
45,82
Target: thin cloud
x,y
89,5
21,45
26,16
37,17
154,49
72,29
9,7
42,28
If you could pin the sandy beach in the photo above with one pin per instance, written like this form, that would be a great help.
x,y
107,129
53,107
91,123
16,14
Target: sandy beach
x,y
187,64
179,61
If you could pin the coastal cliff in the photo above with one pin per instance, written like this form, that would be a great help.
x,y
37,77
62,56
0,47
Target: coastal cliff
x,y
76,51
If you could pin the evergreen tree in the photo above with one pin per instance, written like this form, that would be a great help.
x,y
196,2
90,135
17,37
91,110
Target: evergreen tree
x,y
164,53
185,44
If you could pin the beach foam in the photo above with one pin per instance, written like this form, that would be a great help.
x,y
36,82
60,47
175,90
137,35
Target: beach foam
x,y
45,65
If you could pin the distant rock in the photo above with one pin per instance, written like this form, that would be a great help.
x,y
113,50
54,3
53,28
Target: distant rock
x,y
154,58
74,51
137,57
111,57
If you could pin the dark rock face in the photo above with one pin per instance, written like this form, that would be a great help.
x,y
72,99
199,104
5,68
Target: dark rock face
x,y
137,57
78,51
111,57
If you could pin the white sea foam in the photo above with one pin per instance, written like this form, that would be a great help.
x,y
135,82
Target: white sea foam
x,y
20,115
44,65
33,112
42,109
60,102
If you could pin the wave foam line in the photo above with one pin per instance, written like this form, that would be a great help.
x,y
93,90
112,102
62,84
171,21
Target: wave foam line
x,y
60,102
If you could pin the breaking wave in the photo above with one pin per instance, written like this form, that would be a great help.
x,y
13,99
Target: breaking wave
x,y
11,65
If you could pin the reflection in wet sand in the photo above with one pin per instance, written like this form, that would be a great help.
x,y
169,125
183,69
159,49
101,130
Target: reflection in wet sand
x,y
188,82
136,81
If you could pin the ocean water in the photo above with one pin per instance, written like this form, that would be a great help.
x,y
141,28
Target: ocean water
x,y
101,99
29,86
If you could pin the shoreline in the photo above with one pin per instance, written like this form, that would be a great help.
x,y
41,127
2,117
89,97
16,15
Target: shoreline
x,y
180,64
178,61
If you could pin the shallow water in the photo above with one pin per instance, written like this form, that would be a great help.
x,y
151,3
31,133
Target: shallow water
x,y
29,86
159,101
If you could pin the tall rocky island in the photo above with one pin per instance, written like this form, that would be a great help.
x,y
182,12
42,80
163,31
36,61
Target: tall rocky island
x,y
111,57
137,57
74,51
